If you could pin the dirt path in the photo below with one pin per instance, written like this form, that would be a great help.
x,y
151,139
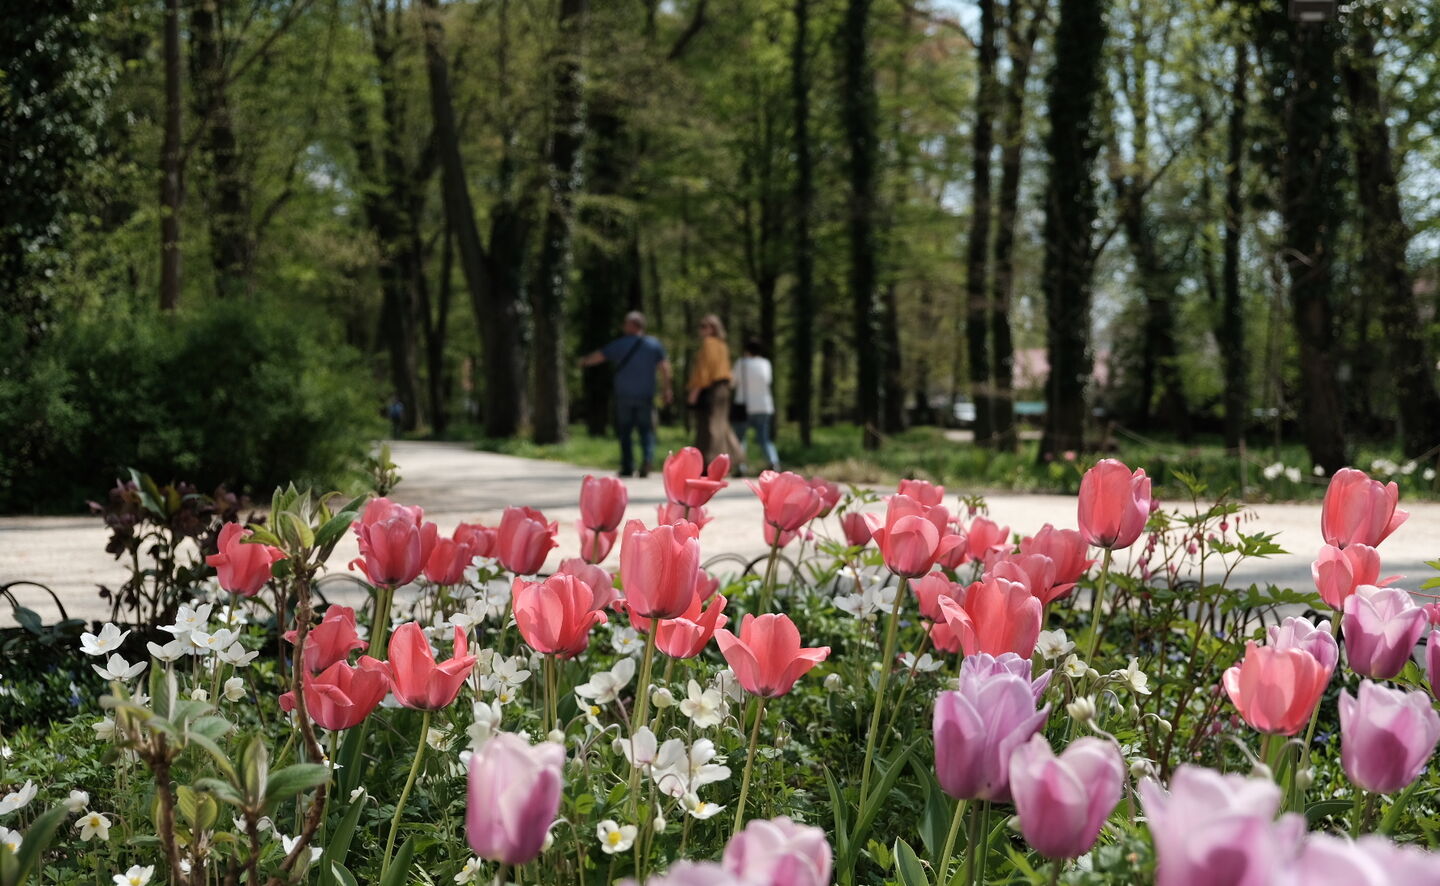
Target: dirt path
x,y
454,482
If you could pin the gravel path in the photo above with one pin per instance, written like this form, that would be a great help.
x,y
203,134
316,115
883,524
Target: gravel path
x,y
454,482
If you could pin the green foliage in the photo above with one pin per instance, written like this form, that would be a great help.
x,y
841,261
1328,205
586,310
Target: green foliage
x,y
229,393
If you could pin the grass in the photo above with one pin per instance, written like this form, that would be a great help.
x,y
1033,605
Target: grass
x,y
928,453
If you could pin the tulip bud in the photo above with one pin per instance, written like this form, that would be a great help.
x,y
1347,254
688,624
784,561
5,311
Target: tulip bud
x,y
1082,709
833,682
661,697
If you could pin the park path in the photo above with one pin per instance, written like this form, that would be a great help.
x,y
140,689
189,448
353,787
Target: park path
x,y
454,482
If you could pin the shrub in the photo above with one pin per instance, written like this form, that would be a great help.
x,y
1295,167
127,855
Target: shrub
x,y
224,393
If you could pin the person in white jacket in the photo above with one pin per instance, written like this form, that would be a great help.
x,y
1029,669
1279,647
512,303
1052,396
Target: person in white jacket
x,y
752,375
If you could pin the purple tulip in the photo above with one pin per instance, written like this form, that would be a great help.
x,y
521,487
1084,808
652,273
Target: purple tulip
x,y
977,728
1215,829
1386,736
1432,662
514,795
1299,633
1063,801
982,665
1381,627
1328,860
693,873
778,852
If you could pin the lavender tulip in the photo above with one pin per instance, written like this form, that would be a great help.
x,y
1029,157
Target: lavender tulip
x,y
1386,736
977,728
1063,801
1381,627
779,852
514,795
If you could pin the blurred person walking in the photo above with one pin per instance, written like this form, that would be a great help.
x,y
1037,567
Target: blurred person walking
x,y
754,406
708,392
637,358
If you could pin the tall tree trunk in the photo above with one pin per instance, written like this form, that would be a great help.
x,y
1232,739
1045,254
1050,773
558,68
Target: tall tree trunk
x,y
802,367
1386,236
232,240
858,115
1309,207
977,259
496,290
1069,221
1232,310
172,168
436,327
893,388
552,406
1020,42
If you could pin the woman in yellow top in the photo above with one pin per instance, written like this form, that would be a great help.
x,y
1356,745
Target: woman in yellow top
x,y
709,392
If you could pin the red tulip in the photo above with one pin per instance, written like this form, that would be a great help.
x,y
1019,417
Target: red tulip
x,y
923,491
332,640
689,482
985,536
1358,510
669,513
342,696
788,499
242,568
420,683
1276,689
686,636
1114,504
483,540
911,539
767,657
859,527
595,545
524,540
829,495
395,542
555,616
1066,547
602,503
1339,571
600,582
995,616
448,561
658,568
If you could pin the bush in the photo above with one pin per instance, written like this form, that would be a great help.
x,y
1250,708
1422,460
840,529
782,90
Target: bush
x,y
226,393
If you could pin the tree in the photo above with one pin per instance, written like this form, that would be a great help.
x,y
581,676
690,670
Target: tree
x,y
1231,328
802,393
978,305
1070,211
172,167
858,113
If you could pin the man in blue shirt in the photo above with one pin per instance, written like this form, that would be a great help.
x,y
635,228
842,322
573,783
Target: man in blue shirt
x,y
636,358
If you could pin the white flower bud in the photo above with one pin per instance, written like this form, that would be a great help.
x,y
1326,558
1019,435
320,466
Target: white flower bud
x,y
833,682
1082,709
1304,778
556,736
661,697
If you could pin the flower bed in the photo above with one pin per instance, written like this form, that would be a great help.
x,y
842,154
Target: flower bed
x,y
902,694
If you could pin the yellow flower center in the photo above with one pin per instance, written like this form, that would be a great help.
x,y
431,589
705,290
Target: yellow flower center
x,y
613,837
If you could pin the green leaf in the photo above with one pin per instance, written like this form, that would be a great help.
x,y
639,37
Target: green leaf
x,y
341,875
908,866
338,846
880,793
297,529
222,790
332,531
255,769
400,867
286,783
37,840
1321,809
837,809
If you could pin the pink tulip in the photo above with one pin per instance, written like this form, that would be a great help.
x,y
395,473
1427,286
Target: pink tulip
x,y
995,616
555,616
767,657
978,727
705,585
779,852
984,536
658,568
1381,627
415,678
930,588
600,582
513,798
669,513
595,546
1036,572
395,542
1299,633
1326,860
788,499
242,568
448,561
1358,510
524,540
858,528
1114,504
483,540
982,666
1432,663
829,495
1275,690
342,696
953,551
1066,547
1339,571
689,482
692,873
332,640
1214,829
910,539
778,538
1386,736
923,491
687,636
602,503
1063,801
